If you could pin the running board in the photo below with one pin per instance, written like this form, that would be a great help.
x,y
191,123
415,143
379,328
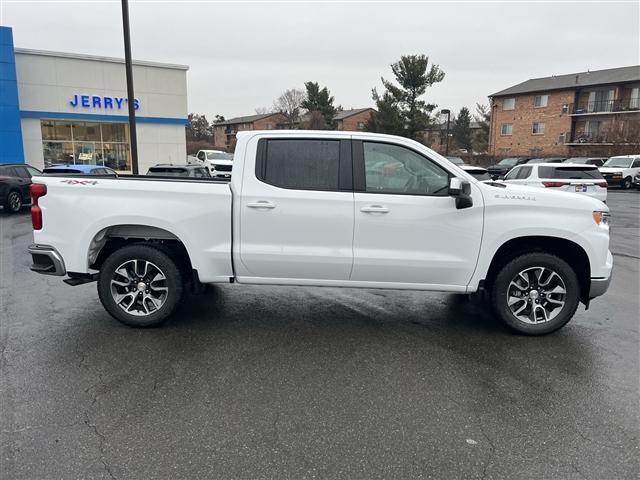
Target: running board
x,y
80,279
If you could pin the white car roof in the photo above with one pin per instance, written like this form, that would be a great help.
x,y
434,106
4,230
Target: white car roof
x,y
562,165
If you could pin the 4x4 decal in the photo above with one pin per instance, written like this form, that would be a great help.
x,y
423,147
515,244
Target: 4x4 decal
x,y
80,182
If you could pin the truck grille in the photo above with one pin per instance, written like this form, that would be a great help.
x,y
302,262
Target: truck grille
x,y
222,168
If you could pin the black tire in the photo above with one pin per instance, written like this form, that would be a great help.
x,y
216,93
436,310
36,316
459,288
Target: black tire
x,y
502,282
160,261
626,183
13,202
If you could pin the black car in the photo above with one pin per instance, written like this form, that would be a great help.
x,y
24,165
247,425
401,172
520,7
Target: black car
x,y
503,166
15,179
169,170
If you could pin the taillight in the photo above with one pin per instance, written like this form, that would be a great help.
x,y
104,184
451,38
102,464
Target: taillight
x,y
602,184
36,190
554,184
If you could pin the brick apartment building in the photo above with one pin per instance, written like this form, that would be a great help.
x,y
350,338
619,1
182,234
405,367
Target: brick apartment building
x,y
588,113
224,133
354,119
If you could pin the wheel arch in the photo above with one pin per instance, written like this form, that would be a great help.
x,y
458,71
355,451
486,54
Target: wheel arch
x,y
109,239
569,251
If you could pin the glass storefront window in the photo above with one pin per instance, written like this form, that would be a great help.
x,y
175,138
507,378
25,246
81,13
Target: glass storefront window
x,y
114,132
87,143
57,152
116,156
86,131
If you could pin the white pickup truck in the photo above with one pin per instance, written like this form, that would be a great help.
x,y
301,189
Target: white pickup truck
x,y
220,163
339,209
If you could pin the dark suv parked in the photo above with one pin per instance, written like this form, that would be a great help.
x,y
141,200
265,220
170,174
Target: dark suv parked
x,y
500,169
15,179
169,170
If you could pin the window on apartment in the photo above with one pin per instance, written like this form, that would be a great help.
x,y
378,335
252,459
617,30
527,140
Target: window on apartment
x,y
634,101
565,108
540,101
537,128
507,129
360,125
508,104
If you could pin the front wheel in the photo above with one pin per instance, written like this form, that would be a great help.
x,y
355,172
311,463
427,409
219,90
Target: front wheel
x,y
626,184
536,293
140,285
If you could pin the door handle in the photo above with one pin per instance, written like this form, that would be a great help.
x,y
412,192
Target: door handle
x,y
374,209
261,204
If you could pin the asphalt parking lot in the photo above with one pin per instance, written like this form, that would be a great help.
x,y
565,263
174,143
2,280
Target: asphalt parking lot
x,y
269,382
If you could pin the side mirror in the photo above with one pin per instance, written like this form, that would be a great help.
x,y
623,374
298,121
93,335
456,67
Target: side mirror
x,y
461,190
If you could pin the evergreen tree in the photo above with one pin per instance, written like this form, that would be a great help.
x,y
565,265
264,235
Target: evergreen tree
x,y
481,138
387,118
413,75
198,128
462,129
320,100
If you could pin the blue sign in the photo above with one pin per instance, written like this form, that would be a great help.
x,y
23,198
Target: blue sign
x,y
106,102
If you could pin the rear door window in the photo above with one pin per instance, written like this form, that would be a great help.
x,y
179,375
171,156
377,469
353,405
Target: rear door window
x,y
568,173
305,164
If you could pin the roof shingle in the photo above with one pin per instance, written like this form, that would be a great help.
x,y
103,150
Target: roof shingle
x,y
575,80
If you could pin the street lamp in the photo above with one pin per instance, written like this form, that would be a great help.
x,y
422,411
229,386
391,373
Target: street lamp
x,y
447,112
130,97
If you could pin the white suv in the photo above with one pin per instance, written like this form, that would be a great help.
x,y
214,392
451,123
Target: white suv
x,y
620,170
567,177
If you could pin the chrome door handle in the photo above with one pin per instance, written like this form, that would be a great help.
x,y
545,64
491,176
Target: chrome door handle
x,y
261,204
374,209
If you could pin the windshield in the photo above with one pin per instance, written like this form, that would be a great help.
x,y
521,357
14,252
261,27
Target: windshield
x,y
576,160
456,160
480,174
618,162
219,156
508,162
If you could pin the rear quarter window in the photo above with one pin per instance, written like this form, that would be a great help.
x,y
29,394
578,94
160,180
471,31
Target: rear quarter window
x,y
586,173
301,164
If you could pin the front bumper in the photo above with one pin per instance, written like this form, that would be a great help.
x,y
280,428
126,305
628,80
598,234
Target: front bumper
x,y
46,260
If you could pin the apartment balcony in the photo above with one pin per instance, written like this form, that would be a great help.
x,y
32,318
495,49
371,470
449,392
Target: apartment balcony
x,y
602,138
605,107
230,131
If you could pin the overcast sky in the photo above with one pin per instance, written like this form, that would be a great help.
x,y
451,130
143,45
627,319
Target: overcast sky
x,y
242,55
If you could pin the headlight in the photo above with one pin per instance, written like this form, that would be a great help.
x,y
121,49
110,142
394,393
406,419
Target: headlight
x,y
601,218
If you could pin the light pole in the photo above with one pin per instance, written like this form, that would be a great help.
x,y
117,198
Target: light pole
x,y
448,113
130,97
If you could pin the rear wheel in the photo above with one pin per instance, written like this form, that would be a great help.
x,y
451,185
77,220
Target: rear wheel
x,y
13,203
536,293
140,285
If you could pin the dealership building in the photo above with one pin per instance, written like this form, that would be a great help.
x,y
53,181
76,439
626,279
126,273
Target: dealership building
x,y
71,108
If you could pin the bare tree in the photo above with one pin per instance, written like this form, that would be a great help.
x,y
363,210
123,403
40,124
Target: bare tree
x,y
263,111
289,105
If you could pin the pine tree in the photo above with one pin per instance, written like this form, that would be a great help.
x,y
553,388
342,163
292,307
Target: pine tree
x,y
320,100
414,76
387,118
481,138
462,129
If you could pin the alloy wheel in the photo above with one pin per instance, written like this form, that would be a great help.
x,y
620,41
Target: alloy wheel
x,y
139,287
536,295
15,202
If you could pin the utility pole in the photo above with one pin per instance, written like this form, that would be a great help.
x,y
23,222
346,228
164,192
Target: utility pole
x,y
448,113
133,139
